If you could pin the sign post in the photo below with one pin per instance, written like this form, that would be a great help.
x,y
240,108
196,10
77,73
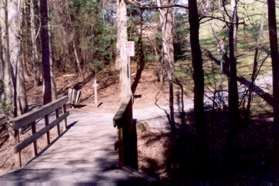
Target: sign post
x,y
95,88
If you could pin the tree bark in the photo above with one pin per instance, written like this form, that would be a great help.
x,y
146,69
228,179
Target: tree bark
x,y
167,30
122,60
198,76
52,76
35,42
273,40
47,92
14,88
128,149
141,61
1,68
26,40
7,67
233,89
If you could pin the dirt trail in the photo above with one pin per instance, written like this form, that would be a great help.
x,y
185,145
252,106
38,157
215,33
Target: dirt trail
x,y
85,153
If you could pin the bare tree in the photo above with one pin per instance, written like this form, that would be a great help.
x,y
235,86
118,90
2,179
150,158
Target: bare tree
x,y
255,68
167,30
233,89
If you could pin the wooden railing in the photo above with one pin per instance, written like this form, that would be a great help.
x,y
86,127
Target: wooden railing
x,y
127,135
29,121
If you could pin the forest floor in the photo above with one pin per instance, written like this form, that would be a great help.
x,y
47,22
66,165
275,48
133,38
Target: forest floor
x,y
155,147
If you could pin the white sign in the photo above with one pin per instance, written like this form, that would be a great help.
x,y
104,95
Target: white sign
x,y
130,48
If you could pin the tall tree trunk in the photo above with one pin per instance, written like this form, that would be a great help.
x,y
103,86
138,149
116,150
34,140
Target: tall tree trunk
x,y
15,92
27,38
35,42
122,60
127,132
52,76
21,99
273,40
233,89
167,29
1,67
198,76
47,92
233,97
7,67
141,61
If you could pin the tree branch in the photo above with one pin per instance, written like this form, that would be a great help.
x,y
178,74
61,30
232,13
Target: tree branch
x,y
154,7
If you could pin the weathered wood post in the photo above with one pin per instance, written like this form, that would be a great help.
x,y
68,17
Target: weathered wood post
x,y
64,107
46,124
34,130
127,135
17,136
58,125
95,88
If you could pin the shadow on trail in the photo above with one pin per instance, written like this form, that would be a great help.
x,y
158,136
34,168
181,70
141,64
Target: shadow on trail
x,y
104,172
252,152
53,141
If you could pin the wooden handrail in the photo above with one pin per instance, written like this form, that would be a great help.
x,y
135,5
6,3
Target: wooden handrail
x,y
26,119
121,112
29,120
40,133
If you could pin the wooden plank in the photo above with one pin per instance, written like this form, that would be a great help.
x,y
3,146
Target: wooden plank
x,y
40,133
26,119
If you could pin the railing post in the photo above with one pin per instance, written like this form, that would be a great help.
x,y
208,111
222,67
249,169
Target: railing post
x,y
46,124
120,147
17,141
35,141
64,111
58,125
127,135
130,138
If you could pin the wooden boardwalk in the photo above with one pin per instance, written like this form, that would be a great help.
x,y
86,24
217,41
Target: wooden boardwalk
x,y
85,154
